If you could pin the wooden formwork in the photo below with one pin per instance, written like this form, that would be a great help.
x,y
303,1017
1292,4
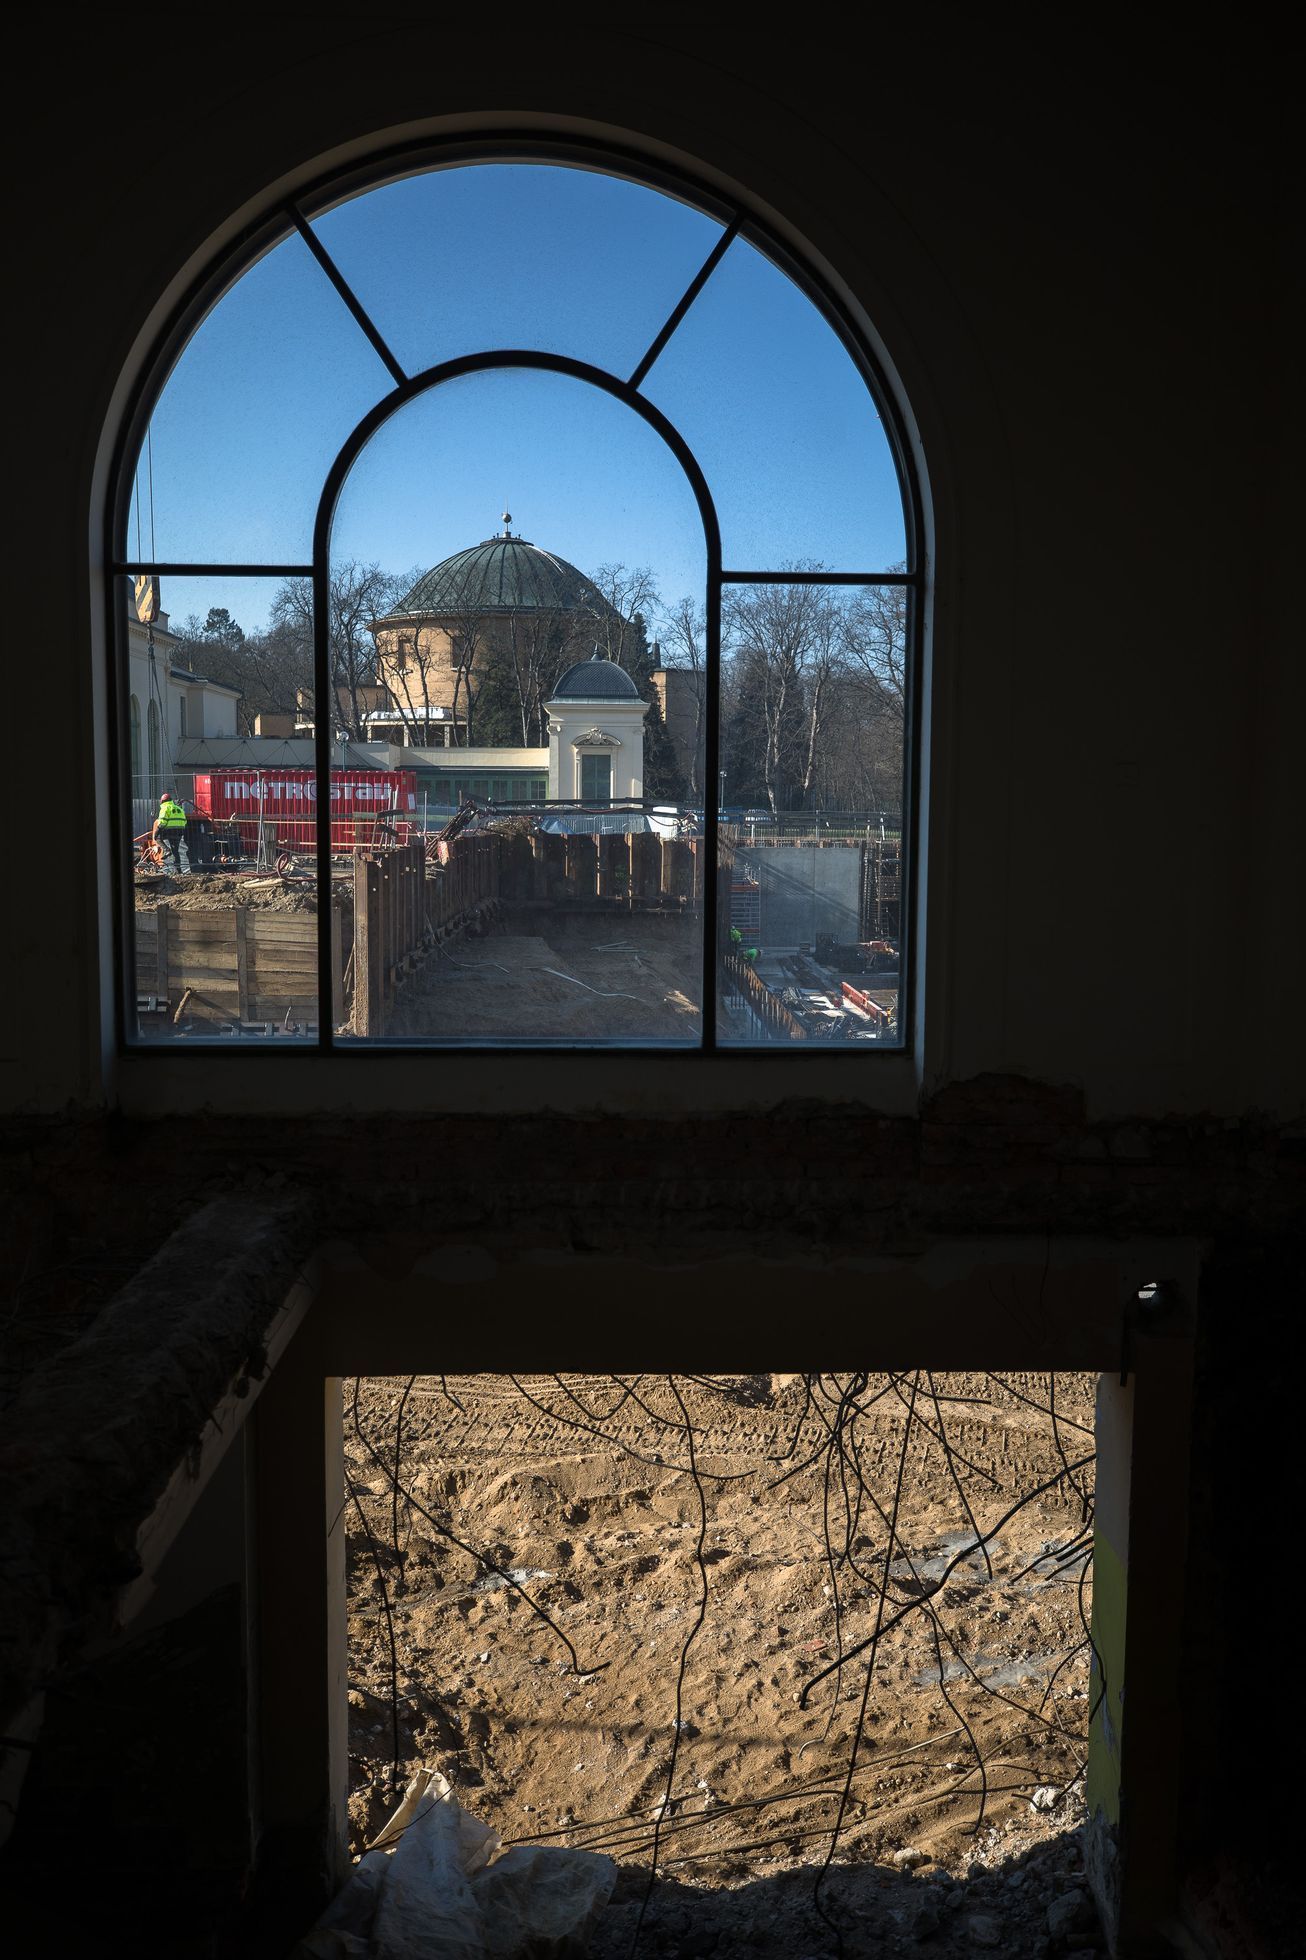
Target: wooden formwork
x,y
626,869
613,868
645,867
238,963
549,858
681,874
399,903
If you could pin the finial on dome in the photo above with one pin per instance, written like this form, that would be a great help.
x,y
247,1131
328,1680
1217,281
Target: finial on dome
x,y
598,653
507,520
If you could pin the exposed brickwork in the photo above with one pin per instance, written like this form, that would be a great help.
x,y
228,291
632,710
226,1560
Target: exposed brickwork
x,y
993,1154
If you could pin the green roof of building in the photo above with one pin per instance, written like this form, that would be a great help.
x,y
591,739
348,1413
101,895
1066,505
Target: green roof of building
x,y
503,575
595,679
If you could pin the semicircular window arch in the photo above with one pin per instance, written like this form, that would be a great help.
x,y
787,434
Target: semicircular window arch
x,y
630,767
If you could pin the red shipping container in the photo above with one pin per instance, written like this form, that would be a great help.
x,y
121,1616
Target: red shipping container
x,y
368,806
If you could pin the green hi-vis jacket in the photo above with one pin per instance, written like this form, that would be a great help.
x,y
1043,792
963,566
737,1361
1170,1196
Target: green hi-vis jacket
x,y
171,816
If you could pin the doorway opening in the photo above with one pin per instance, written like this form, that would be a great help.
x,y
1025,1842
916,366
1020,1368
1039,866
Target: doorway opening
x,y
798,1652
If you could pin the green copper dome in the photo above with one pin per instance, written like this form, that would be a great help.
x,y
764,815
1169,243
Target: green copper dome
x,y
503,575
595,679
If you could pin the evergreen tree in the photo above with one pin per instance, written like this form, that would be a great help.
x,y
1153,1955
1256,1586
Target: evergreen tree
x,y
663,776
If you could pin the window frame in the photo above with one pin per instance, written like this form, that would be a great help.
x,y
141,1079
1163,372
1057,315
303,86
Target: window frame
x,y
288,214
589,767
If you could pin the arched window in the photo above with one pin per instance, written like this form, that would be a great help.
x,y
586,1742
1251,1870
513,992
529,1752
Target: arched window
x,y
698,635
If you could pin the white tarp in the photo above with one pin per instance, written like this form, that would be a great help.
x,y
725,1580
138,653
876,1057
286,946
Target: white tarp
x,y
436,1885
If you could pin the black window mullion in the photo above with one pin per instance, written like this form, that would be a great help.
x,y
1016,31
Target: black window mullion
x,y
120,789
909,820
712,797
686,300
323,704
347,293
822,578
164,568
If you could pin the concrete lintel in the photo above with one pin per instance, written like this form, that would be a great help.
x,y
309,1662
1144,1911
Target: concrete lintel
x,y
395,1307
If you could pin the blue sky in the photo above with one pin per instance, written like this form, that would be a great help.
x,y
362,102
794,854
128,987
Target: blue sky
x,y
567,261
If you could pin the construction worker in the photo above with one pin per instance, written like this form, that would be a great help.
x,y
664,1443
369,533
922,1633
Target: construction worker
x,y
170,827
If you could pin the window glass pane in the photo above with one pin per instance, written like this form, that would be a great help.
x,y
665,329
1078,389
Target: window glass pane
x,y
222,814
520,801
596,778
517,255
813,730
494,683
782,425
251,418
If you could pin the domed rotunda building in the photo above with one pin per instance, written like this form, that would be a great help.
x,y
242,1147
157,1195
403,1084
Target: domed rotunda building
x,y
484,636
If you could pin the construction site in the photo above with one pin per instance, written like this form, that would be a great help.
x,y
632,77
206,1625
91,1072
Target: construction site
x,y
549,923
759,1658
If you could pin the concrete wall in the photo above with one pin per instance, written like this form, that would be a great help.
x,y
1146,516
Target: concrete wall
x,y
805,893
1091,340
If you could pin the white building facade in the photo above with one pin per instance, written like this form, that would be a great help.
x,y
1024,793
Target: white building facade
x,y
596,734
168,705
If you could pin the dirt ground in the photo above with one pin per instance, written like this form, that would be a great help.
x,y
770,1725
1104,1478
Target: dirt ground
x,y
540,973
602,1531
219,891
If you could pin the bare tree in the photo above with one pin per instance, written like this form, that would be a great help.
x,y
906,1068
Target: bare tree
x,y
410,670
814,684
416,670
785,645
869,725
536,644
468,640
269,669
861,758
358,595
631,593
875,642
684,632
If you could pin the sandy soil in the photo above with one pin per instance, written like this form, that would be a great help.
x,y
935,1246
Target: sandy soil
x,y
219,891
540,973
602,1532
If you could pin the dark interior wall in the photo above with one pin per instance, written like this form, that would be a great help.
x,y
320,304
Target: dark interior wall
x,y
1073,258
